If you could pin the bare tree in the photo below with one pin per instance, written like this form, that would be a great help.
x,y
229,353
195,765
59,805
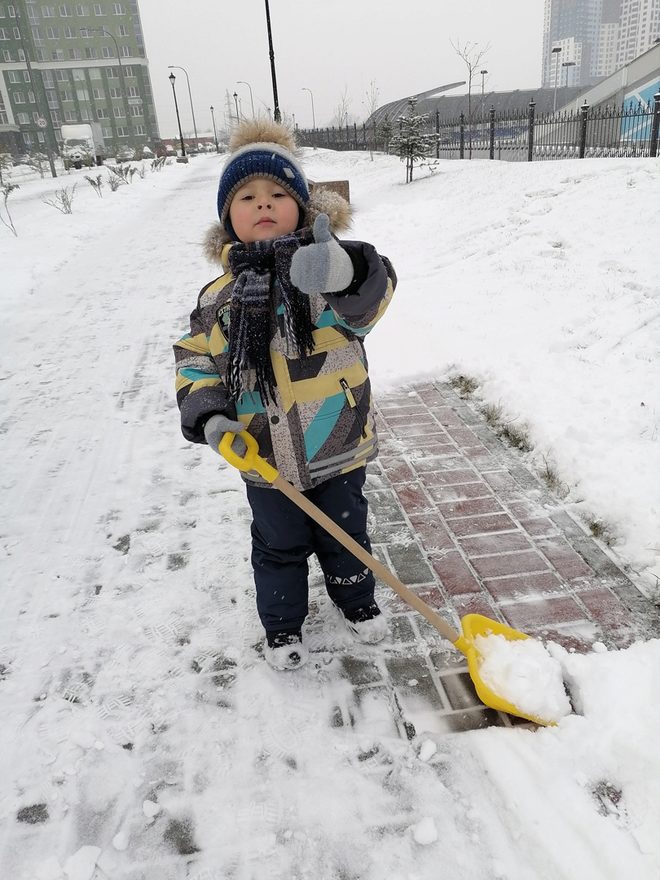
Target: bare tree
x,y
371,103
342,109
472,54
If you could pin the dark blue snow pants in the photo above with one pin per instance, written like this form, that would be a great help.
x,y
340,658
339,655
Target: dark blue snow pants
x,y
283,537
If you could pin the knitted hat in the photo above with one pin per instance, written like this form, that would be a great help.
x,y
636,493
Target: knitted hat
x,y
260,148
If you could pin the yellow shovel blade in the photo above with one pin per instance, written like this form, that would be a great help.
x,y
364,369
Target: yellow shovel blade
x,y
474,625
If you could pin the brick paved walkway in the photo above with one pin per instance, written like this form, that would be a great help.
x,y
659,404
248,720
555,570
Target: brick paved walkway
x,y
464,523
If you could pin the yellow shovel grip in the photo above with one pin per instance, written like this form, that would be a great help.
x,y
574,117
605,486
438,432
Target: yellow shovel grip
x,y
250,460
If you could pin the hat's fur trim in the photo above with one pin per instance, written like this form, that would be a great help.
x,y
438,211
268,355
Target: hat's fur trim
x,y
321,202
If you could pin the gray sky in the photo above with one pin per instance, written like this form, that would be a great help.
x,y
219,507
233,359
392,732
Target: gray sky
x,y
333,47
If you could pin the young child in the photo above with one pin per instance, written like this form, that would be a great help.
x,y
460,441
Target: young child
x,y
275,348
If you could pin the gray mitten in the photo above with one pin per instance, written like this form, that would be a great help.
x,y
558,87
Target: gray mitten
x,y
217,426
323,267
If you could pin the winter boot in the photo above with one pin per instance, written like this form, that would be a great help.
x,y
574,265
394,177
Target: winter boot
x,y
367,623
285,650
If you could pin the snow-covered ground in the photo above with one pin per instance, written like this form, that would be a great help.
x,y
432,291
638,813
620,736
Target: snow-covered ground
x,y
126,586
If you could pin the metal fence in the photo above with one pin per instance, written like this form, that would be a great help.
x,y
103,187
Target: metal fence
x,y
625,131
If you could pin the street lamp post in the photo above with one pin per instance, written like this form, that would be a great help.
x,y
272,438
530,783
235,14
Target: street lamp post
x,y
242,82
556,51
566,65
276,106
192,108
102,30
305,89
172,79
215,133
238,115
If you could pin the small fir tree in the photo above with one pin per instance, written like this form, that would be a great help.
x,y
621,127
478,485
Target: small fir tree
x,y
413,142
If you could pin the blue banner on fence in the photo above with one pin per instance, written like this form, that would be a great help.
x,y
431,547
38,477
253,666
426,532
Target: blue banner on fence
x,y
637,125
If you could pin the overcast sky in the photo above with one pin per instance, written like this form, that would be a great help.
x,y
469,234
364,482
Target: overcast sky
x,y
334,48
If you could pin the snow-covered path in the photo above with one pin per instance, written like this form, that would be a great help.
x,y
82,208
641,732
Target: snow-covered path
x,y
142,733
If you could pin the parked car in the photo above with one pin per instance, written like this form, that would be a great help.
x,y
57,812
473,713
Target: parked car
x,y
125,154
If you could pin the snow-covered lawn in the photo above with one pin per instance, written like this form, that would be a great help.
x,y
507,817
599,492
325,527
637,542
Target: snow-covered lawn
x,y
126,596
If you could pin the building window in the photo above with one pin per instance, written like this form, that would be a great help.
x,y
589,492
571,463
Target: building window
x,y
122,131
70,116
36,33
75,54
94,73
27,138
118,9
23,118
119,112
62,76
48,12
126,52
12,11
98,9
106,52
78,75
56,117
128,70
58,54
21,55
84,115
82,10
51,97
32,13
99,94
65,12
26,76
6,55
90,52
4,34
19,98
13,76
136,111
39,54
111,72
68,32
115,92
107,131
82,94
52,33
66,95
133,92
122,31
48,79
31,98
17,33
140,129
101,113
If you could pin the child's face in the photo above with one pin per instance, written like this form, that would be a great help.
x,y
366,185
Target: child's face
x,y
261,210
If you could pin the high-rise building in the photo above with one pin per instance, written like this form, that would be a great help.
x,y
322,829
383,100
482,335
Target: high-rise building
x,y
71,63
639,28
595,37
570,26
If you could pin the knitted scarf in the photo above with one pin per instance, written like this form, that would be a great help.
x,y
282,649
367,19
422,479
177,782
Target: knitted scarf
x,y
256,267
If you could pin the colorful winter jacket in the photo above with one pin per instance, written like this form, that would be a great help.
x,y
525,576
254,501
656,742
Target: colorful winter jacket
x,y
321,423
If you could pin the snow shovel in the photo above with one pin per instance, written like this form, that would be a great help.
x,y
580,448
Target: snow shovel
x,y
472,625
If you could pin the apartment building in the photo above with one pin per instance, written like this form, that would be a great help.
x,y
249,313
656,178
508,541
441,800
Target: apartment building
x,y
69,63
639,29
593,38
571,27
